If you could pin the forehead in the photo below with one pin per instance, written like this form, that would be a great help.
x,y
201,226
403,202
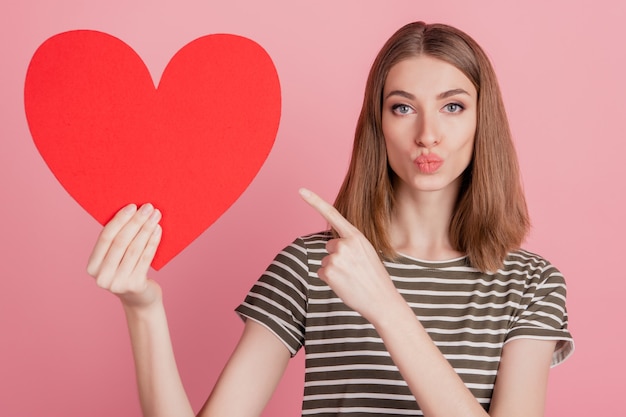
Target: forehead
x,y
425,75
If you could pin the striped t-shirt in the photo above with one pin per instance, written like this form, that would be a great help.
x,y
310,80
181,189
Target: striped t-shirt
x,y
468,314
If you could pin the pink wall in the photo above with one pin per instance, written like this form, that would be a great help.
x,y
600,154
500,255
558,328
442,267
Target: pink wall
x,y
63,346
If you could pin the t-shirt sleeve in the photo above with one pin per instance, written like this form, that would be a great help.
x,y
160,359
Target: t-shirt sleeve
x,y
278,300
545,315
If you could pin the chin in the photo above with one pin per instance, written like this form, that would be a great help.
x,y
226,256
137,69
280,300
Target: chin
x,y
433,185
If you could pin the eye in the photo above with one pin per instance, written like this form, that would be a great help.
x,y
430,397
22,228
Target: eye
x,y
401,109
453,108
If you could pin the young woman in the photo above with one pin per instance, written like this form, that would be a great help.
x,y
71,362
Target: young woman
x,y
419,300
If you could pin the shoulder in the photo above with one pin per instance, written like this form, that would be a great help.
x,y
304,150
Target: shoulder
x,y
533,269
311,244
316,239
303,254
522,260
542,312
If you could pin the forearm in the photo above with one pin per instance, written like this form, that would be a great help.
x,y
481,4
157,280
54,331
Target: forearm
x,y
438,389
161,391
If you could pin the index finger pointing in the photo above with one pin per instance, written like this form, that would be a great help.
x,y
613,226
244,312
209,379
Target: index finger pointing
x,y
330,213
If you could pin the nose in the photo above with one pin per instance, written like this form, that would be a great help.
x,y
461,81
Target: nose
x,y
427,133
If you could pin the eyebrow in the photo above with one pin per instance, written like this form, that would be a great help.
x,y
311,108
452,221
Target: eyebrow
x,y
451,93
440,96
400,93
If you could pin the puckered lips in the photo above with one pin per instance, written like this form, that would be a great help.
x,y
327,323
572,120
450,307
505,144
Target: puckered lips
x,y
428,164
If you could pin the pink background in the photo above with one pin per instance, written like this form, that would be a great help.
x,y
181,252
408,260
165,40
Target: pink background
x,y
64,349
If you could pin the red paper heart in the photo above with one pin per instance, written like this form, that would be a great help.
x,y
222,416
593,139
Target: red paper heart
x,y
190,146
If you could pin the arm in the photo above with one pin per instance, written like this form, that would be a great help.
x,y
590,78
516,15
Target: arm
x,y
522,381
436,386
120,262
252,373
161,390
521,384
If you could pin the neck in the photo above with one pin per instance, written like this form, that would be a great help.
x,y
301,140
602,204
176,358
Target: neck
x,y
420,224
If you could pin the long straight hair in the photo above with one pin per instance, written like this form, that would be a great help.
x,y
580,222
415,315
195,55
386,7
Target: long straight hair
x,y
490,217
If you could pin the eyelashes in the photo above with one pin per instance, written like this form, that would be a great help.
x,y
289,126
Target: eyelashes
x,y
454,107
404,109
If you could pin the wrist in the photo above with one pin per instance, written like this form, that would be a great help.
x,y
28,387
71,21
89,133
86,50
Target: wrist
x,y
144,299
142,310
392,313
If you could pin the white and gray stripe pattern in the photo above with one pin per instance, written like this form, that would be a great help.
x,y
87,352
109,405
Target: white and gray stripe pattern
x,y
469,315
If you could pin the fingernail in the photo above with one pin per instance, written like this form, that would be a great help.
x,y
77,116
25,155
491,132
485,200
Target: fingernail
x,y
304,192
155,216
146,209
129,209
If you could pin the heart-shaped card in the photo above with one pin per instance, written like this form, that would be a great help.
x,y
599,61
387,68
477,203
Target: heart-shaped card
x,y
190,147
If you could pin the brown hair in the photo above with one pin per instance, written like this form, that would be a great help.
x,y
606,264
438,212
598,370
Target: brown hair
x,y
490,217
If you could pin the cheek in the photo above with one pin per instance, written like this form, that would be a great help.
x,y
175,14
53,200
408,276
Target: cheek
x,y
467,151
465,134
397,132
393,144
